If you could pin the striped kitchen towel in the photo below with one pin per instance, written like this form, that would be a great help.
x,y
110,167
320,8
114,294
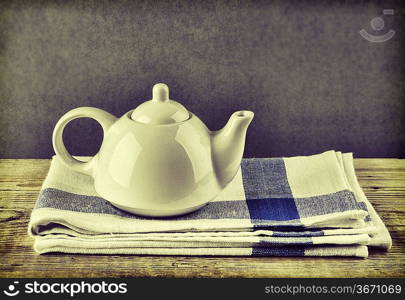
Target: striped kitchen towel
x,y
296,206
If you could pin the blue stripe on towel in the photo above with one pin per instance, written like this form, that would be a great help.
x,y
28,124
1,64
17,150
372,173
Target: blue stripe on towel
x,y
274,209
265,178
278,251
284,241
54,198
298,233
326,204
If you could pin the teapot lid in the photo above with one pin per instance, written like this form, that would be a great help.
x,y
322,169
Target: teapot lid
x,y
160,110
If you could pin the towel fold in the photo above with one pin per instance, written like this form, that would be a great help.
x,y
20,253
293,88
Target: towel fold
x,y
296,206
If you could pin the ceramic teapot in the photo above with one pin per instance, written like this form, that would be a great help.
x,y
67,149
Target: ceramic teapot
x,y
159,159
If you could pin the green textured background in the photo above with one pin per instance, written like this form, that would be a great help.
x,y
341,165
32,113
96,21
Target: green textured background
x,y
313,82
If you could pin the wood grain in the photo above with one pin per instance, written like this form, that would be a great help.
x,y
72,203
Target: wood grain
x,y
383,181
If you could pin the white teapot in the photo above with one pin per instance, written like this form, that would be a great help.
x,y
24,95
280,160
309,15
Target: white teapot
x,y
159,159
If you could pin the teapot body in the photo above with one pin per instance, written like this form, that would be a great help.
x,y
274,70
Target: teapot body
x,y
158,159
156,170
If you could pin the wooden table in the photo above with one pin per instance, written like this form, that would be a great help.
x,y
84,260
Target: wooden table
x,y
383,181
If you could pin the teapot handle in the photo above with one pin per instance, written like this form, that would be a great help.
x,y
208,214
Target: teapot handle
x,y
104,118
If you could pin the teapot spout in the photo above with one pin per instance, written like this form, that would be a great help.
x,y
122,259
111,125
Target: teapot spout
x,y
228,144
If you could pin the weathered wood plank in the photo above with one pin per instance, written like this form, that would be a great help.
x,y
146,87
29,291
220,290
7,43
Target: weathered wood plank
x,y
383,181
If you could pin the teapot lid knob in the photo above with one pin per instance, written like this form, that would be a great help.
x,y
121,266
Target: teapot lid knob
x,y
160,92
160,110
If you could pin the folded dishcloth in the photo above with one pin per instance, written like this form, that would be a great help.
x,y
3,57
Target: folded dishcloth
x,y
297,206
